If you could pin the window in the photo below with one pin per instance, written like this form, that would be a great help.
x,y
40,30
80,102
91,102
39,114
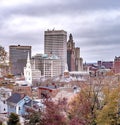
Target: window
x,y
19,108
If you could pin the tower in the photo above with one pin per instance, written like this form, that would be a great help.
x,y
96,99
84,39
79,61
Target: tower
x,y
17,56
28,71
55,42
75,63
71,53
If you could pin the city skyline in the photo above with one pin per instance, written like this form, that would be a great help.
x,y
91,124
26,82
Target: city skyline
x,y
93,24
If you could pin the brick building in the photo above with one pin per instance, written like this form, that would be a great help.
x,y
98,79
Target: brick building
x,y
117,65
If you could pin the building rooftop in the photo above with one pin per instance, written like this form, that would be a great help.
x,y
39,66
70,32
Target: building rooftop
x,y
15,98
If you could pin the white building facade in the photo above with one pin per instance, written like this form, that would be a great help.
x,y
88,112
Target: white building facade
x,y
30,73
5,93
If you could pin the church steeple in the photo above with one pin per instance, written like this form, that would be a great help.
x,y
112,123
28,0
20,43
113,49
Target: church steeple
x,y
70,43
28,61
71,37
28,58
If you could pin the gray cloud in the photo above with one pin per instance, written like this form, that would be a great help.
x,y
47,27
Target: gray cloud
x,y
72,7
94,24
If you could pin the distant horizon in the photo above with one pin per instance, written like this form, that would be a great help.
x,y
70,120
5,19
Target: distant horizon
x,y
33,54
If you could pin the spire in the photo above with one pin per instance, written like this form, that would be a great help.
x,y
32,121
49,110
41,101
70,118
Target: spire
x,y
34,63
66,67
28,61
70,37
28,58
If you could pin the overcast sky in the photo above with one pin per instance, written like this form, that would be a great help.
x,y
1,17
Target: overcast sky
x,y
95,25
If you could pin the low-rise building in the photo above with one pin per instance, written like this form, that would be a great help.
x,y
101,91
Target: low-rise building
x,y
5,93
16,103
117,65
47,91
49,65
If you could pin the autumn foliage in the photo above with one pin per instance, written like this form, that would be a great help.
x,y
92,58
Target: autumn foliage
x,y
98,103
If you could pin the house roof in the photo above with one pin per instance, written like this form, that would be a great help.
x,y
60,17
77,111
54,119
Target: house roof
x,y
15,98
30,103
48,87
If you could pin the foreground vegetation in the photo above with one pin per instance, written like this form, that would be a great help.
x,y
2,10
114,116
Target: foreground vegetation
x,y
98,103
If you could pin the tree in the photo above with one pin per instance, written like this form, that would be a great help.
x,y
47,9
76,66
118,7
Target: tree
x,y
53,113
4,68
3,54
13,119
0,122
82,109
34,117
110,113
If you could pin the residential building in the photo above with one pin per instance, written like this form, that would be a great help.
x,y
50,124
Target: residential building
x,y
55,42
16,103
17,57
74,61
5,93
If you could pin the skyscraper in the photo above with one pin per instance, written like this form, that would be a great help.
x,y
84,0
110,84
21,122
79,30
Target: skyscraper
x,y
17,57
74,61
55,42
71,54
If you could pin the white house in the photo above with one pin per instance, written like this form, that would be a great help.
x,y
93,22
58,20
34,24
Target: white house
x,y
5,93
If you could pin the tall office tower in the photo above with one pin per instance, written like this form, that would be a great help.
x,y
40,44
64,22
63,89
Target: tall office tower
x,y
17,57
55,42
74,61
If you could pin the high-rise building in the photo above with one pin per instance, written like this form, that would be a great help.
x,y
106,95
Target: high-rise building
x,y
55,42
71,54
74,61
17,57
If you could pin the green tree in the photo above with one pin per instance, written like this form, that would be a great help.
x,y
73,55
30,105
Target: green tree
x,y
13,119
